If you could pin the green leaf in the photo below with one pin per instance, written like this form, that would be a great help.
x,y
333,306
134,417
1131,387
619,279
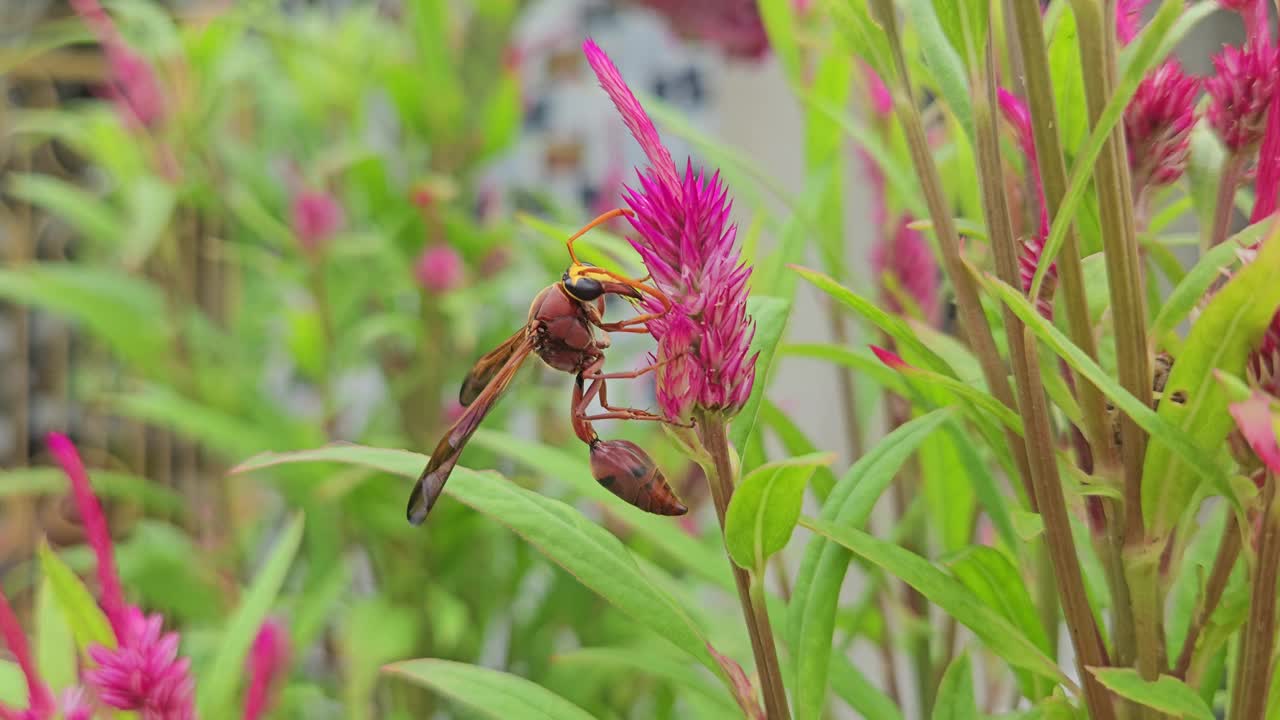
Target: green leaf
x,y
125,312
1192,288
863,36
765,508
13,684
812,612
151,202
55,643
858,360
375,632
1230,327
1204,167
943,62
894,326
796,443
780,25
1140,57
91,216
990,575
955,693
965,24
588,552
219,685
969,396
770,315
1162,432
642,662
88,623
491,693
1166,694
994,630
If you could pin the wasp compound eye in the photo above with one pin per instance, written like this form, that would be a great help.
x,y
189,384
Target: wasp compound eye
x,y
583,288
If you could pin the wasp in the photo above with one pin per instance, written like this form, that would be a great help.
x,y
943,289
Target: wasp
x,y
565,327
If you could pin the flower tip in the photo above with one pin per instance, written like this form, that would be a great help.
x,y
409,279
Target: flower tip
x,y
889,358
1256,421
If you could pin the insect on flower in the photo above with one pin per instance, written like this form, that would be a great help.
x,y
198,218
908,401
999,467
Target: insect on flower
x,y
562,330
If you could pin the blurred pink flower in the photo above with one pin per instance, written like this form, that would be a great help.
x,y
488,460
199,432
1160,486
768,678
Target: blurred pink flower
x,y
907,258
39,700
689,246
734,26
132,82
144,673
316,216
1129,19
439,268
1257,424
1240,92
1254,14
268,661
877,92
1158,123
1017,114
1267,184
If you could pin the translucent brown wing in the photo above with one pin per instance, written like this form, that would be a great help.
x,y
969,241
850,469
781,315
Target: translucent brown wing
x,y
431,482
487,367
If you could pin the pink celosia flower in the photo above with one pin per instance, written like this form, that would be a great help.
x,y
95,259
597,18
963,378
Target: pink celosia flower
x,y
1263,367
1129,19
39,700
877,93
316,216
133,85
1158,123
75,705
1254,14
144,673
267,663
1240,93
907,259
688,245
732,25
1268,180
1257,424
439,269
1017,114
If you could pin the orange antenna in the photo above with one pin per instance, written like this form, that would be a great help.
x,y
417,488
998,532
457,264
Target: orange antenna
x,y
616,212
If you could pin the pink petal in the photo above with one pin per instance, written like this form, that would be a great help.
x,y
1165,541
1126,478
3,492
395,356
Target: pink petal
x,y
743,692
1256,421
890,358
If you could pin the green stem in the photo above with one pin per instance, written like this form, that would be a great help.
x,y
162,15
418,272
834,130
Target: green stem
x,y
1124,268
1228,183
1223,564
1031,398
1258,637
973,321
721,477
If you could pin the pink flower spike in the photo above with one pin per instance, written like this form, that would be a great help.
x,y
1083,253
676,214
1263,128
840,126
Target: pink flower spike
x,y
144,674
1240,93
1017,114
39,700
1129,19
268,660
877,92
1158,123
636,119
889,358
1256,421
907,259
1267,184
95,526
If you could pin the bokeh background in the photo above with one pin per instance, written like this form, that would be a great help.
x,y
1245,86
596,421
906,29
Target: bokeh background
x,y
234,227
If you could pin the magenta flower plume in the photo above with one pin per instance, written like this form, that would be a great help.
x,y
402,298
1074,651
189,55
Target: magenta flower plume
x,y
1240,93
1017,114
1257,425
881,100
1158,123
267,663
316,217
734,26
95,527
905,263
39,700
144,674
1028,262
1129,19
1254,14
133,85
689,246
1268,181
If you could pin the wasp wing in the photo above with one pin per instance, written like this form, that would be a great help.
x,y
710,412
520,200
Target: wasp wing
x,y
445,456
483,372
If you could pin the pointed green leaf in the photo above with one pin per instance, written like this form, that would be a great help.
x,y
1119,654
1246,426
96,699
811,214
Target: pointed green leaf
x,y
770,315
218,689
996,632
493,694
765,508
1166,694
88,623
955,693
54,641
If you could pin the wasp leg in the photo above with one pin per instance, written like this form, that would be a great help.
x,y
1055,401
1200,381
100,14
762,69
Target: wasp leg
x,y
599,387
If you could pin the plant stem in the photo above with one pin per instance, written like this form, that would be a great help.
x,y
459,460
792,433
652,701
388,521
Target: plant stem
x,y
1124,268
720,476
1258,637
973,320
1228,183
844,383
1031,399
1223,564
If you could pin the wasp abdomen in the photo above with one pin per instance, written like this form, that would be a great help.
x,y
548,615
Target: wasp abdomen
x,y
625,470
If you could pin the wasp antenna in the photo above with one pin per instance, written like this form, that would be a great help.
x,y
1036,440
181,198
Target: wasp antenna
x,y
604,218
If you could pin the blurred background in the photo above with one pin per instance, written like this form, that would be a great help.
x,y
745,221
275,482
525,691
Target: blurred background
x,y
234,227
